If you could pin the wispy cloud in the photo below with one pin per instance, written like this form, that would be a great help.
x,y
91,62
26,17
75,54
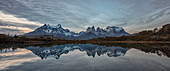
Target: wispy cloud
x,y
10,23
12,19
133,15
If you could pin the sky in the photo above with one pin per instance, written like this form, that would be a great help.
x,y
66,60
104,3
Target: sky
x,y
23,16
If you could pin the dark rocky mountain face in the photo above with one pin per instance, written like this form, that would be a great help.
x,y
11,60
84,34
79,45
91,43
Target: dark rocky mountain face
x,y
58,31
164,30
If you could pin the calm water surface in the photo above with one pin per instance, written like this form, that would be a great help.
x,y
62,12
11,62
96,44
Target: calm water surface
x,y
85,57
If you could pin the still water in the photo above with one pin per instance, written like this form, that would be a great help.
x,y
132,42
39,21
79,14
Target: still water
x,y
85,57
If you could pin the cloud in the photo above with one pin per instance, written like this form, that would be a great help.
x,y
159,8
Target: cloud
x,y
12,19
10,23
158,18
18,25
77,15
14,30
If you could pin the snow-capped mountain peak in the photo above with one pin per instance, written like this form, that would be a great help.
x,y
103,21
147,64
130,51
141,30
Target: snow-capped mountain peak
x,y
58,31
114,28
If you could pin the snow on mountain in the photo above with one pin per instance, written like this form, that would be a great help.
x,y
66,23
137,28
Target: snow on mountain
x,y
58,26
58,31
113,28
110,31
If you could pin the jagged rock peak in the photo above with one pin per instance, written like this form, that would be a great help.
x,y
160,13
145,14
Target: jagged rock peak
x,y
58,26
46,26
49,26
98,28
91,29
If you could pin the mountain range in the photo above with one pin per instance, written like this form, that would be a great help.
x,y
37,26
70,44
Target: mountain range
x,y
90,33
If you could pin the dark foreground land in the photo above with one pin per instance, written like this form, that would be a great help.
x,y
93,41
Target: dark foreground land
x,y
4,39
22,40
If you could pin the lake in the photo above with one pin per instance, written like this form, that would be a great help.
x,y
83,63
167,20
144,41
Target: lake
x,y
85,57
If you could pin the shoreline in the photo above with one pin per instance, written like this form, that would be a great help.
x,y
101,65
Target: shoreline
x,y
82,42
130,41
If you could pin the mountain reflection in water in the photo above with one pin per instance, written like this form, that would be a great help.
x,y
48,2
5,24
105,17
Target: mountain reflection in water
x,y
90,49
111,50
85,57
